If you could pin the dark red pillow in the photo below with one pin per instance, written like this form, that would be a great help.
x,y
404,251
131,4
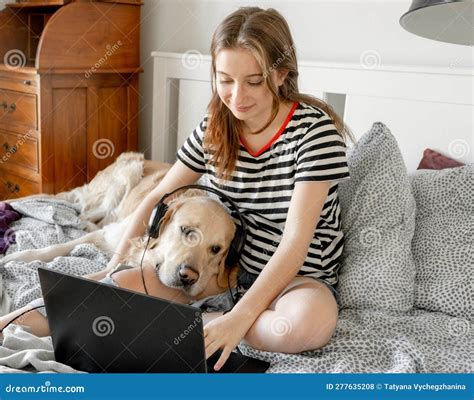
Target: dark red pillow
x,y
434,160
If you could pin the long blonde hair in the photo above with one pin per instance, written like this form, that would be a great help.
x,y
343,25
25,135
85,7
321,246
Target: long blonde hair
x,y
266,34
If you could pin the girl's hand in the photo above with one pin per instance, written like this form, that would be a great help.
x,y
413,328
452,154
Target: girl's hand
x,y
225,332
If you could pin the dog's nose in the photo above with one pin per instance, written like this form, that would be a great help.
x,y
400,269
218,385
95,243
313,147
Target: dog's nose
x,y
187,274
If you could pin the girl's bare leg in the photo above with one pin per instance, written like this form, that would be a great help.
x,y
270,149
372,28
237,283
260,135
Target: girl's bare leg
x,y
33,319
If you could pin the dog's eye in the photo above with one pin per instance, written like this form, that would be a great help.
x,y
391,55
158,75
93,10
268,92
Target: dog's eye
x,y
185,230
215,249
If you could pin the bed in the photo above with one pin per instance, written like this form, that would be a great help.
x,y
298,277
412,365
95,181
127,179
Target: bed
x,y
406,290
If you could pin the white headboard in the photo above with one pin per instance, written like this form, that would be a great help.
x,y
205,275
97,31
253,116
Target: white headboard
x,y
423,107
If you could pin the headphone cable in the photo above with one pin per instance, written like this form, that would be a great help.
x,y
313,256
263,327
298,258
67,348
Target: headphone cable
x,y
230,291
141,263
230,309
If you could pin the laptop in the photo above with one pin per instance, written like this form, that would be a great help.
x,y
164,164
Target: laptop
x,y
96,327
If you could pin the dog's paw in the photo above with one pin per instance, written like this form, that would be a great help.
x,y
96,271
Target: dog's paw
x,y
8,258
91,227
25,256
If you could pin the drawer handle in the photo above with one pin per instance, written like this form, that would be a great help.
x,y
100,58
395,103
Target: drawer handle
x,y
12,188
27,83
7,148
8,108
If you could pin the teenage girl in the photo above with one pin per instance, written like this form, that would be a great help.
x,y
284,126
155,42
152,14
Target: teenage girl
x,y
279,155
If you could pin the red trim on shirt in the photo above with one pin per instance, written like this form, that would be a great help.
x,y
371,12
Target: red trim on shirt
x,y
274,138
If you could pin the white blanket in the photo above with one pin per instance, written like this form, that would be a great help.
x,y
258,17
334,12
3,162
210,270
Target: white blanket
x,y
21,351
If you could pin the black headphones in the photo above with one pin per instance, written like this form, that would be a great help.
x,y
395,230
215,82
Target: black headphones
x,y
238,241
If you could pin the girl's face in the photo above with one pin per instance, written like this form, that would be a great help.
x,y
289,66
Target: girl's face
x,y
241,86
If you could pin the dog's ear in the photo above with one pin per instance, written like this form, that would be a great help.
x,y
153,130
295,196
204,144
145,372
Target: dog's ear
x,y
138,242
173,206
153,243
166,220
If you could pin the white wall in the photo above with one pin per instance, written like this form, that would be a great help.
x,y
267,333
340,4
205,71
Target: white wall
x,y
329,30
3,2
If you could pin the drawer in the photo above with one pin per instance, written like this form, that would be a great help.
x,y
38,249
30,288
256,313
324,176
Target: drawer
x,y
19,82
18,151
13,187
18,108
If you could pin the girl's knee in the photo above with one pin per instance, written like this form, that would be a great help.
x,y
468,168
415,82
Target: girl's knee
x,y
278,342
315,328
292,332
304,338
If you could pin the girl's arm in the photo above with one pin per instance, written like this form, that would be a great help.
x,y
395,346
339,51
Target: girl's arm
x,y
303,215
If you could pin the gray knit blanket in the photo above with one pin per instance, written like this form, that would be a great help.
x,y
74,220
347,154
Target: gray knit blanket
x,y
364,341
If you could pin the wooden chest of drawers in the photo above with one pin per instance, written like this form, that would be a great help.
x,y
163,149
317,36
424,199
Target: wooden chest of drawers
x,y
69,94
19,150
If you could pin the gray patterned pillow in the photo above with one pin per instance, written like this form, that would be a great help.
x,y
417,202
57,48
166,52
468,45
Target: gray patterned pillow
x,y
443,244
378,220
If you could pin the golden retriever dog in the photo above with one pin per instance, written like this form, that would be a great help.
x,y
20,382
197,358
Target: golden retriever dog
x,y
195,233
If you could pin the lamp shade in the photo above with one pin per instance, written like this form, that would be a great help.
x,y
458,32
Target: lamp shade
x,y
448,21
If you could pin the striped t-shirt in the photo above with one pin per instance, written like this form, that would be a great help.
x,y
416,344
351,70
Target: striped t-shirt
x,y
306,148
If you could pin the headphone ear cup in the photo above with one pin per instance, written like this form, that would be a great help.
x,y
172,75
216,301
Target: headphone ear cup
x,y
154,228
236,247
230,259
